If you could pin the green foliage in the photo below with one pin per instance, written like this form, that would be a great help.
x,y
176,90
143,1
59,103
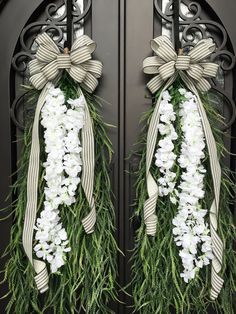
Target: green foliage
x,y
156,283
87,281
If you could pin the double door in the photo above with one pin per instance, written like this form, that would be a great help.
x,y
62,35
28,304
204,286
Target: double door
x,y
123,30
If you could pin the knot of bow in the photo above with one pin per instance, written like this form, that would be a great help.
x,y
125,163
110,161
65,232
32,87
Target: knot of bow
x,y
166,63
50,62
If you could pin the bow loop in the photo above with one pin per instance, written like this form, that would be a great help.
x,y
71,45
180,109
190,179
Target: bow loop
x,y
163,48
50,62
46,41
50,70
151,64
94,67
203,49
80,55
167,70
77,73
166,63
45,54
83,41
209,69
89,83
195,71
35,67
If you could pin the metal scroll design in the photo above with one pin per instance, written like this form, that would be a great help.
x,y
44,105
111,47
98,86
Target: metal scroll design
x,y
194,28
51,23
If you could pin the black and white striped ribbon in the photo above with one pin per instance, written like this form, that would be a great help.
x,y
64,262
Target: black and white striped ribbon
x,y
87,180
166,66
40,268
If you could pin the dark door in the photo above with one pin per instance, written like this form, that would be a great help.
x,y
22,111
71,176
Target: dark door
x,y
122,30
146,20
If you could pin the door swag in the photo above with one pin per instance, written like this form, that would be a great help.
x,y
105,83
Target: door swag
x,y
183,193
64,216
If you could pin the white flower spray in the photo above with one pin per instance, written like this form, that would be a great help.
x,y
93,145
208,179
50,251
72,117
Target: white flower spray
x,y
191,232
62,170
165,157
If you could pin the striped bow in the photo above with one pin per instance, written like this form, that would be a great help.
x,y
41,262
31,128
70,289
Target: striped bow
x,y
167,65
50,63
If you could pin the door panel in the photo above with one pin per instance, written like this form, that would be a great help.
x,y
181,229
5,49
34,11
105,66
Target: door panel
x,y
143,22
26,14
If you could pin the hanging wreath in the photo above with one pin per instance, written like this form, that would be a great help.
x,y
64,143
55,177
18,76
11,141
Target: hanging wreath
x,y
183,194
64,216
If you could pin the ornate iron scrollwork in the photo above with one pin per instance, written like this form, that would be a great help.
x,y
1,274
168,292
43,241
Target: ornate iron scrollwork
x,y
14,109
53,24
193,28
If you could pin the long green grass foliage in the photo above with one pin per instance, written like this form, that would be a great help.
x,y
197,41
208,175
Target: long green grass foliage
x,y
87,282
156,283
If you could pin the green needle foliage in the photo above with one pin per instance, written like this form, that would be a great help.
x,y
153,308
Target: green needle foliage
x,y
87,282
156,283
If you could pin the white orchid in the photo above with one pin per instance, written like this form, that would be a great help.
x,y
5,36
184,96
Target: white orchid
x,y
165,157
190,230
62,169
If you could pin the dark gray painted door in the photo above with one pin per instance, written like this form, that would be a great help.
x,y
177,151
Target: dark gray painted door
x,y
123,30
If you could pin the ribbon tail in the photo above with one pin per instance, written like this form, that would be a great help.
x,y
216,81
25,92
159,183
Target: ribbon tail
x,y
218,247
87,179
41,277
150,217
